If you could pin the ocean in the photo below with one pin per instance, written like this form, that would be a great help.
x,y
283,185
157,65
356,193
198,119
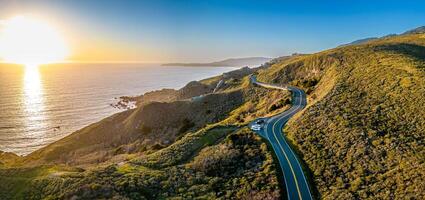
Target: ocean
x,y
39,105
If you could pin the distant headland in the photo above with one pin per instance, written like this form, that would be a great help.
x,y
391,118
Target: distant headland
x,y
231,62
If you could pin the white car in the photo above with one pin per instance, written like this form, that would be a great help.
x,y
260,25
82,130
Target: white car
x,y
256,127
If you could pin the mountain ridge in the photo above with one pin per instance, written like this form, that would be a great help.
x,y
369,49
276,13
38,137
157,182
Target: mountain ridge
x,y
230,62
418,30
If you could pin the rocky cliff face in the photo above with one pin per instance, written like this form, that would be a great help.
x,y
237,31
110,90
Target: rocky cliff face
x,y
7,158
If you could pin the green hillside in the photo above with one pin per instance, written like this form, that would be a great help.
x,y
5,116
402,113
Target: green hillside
x,y
360,137
184,148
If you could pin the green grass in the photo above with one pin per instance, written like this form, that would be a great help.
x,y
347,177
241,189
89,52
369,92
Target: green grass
x,y
362,133
248,171
185,147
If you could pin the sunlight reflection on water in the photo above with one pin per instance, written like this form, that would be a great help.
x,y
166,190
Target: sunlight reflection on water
x,y
33,102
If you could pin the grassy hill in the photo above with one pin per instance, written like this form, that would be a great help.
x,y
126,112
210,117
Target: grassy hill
x,y
360,137
191,147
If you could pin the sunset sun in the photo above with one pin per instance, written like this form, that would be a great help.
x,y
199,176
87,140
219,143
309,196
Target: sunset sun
x,y
30,41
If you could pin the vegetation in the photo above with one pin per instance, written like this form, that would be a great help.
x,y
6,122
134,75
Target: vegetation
x,y
139,163
247,164
185,147
361,136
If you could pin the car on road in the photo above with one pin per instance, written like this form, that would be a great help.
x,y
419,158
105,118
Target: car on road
x,y
256,127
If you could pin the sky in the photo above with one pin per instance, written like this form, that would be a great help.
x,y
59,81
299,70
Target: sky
x,y
210,30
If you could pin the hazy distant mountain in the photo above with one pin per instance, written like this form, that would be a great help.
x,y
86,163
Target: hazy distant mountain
x,y
360,41
416,30
232,62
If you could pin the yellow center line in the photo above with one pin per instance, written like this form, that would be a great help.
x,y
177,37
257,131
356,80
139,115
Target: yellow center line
x,y
296,159
280,145
286,156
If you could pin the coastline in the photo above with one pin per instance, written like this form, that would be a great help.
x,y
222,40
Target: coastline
x,y
66,112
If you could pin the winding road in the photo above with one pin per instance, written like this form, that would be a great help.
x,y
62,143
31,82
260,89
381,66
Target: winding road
x,y
295,180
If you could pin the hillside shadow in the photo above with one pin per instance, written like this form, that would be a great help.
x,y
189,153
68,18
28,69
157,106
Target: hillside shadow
x,y
414,51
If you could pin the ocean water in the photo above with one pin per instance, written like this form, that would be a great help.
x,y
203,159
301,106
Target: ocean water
x,y
39,105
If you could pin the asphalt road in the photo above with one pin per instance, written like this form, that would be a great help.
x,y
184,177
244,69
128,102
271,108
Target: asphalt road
x,y
295,180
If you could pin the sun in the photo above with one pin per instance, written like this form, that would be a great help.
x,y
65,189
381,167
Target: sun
x,y
31,42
